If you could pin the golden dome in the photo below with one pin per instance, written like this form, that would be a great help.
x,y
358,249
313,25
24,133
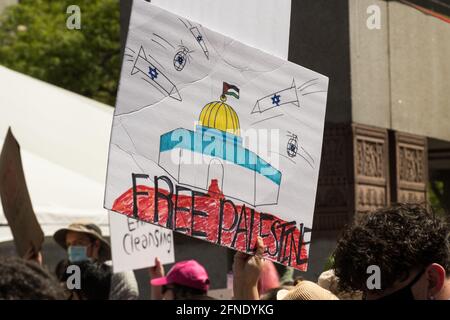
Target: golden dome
x,y
220,116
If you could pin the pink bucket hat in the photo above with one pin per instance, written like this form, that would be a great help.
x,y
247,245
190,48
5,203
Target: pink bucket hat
x,y
185,273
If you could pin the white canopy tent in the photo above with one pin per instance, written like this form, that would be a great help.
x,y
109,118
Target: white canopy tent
x,y
64,140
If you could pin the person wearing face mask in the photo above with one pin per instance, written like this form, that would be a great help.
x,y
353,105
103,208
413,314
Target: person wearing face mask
x,y
84,242
410,247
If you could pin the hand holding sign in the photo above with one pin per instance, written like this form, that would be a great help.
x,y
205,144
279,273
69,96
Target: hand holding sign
x,y
157,271
247,270
32,255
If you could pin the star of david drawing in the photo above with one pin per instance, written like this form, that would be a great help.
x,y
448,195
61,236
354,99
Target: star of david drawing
x,y
153,73
276,100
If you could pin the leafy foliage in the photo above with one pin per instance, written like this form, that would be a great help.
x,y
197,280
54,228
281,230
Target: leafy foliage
x,y
35,40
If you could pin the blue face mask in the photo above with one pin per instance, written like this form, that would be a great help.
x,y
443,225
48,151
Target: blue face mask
x,y
77,253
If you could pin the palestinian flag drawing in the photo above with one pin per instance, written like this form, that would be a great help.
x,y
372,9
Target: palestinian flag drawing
x,y
230,90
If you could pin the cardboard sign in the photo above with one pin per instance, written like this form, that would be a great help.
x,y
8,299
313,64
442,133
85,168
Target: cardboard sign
x,y
135,244
27,233
215,139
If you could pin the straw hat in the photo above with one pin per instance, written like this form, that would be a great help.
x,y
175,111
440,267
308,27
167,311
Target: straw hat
x,y
306,290
90,229
328,280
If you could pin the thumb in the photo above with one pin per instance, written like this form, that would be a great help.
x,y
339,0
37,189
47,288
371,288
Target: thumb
x,y
260,247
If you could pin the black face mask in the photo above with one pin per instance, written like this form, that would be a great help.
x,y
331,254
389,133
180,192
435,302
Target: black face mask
x,y
404,293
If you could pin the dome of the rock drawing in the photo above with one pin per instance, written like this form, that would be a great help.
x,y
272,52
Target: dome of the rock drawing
x,y
219,115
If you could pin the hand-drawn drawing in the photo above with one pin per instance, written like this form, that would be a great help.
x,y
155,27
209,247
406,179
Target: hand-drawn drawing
x,y
198,36
200,39
181,57
237,171
277,99
129,54
292,145
310,83
163,40
152,75
293,149
230,90
216,140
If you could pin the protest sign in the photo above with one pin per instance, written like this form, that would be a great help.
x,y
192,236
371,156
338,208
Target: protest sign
x,y
135,244
215,139
17,207
263,24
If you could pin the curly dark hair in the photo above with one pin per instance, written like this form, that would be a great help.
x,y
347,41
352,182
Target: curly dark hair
x,y
22,279
95,280
398,239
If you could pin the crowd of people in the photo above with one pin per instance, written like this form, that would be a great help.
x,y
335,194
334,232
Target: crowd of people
x,y
409,246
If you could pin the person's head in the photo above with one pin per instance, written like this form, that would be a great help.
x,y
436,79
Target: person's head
x,y
306,290
272,294
26,280
95,281
61,268
178,292
77,240
185,280
83,241
409,246
329,281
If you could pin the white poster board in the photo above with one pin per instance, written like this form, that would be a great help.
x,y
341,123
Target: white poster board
x,y
215,139
135,244
263,24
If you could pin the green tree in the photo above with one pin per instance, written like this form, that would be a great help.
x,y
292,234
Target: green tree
x,y
439,194
35,40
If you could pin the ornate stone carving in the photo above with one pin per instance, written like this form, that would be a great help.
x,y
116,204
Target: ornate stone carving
x,y
411,196
354,174
410,156
411,164
369,158
369,197
360,172
372,173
